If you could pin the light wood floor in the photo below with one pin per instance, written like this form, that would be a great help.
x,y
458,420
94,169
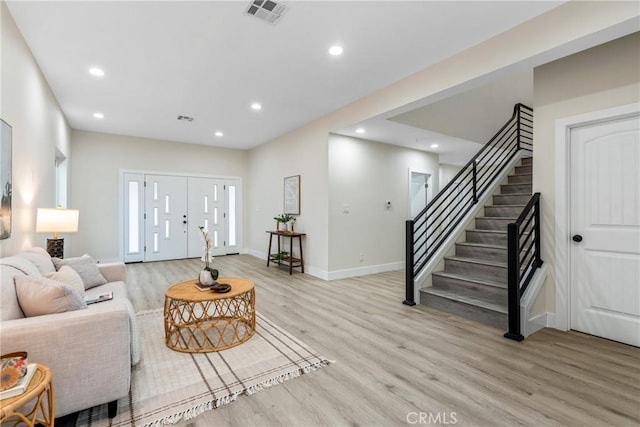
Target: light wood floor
x,y
395,363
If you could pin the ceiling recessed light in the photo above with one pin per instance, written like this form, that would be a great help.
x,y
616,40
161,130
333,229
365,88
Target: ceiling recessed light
x,y
434,146
336,50
218,133
96,72
360,130
256,106
98,116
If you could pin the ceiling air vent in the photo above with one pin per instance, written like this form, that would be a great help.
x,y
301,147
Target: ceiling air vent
x,y
185,118
266,10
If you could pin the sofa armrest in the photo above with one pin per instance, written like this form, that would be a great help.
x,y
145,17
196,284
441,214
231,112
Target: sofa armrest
x,y
88,352
113,271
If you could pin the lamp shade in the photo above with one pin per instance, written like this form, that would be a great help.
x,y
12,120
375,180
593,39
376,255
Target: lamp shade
x,y
56,220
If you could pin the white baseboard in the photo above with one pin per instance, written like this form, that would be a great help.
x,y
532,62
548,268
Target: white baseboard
x,y
316,272
551,320
339,274
363,271
308,269
257,254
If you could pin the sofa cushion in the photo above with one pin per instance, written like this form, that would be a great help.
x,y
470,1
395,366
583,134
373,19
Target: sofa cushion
x,y
40,258
38,296
9,307
22,264
86,267
120,296
68,276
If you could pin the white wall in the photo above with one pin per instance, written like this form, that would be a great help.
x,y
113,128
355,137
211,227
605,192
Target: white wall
x,y
39,127
304,150
303,153
447,173
97,161
602,77
363,175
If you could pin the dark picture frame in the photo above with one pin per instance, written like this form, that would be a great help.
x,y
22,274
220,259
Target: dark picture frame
x,y
5,179
292,195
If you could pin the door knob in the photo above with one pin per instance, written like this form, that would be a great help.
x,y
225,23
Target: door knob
x,y
184,222
577,238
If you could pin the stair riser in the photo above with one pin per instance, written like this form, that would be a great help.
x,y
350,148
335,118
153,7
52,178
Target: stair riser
x,y
516,189
526,161
485,254
488,238
512,211
524,169
520,179
491,294
506,199
475,270
493,223
478,314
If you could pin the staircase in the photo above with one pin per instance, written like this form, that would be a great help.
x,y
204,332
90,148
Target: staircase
x,y
473,283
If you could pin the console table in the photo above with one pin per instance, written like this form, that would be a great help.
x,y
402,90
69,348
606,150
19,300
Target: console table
x,y
289,260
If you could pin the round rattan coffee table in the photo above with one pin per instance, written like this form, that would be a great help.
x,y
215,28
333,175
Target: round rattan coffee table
x,y
198,321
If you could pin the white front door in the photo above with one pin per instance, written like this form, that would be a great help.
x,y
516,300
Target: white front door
x,y
166,222
206,209
605,230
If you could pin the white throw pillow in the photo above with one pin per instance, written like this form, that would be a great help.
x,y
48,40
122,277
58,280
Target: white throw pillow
x,y
68,276
38,296
86,267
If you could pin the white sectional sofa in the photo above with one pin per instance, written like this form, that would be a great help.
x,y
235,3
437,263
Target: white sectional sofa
x,y
90,351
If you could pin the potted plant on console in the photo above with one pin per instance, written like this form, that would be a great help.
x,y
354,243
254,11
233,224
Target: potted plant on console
x,y
283,219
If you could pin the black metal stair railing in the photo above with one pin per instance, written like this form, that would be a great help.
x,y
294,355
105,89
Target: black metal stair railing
x,y
428,231
523,254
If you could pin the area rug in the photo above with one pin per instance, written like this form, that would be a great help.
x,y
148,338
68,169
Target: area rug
x,y
168,386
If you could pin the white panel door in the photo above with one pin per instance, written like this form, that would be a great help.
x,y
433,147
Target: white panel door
x,y
605,230
418,192
165,217
206,209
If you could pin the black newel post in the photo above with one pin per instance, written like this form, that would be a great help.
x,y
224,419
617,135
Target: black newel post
x,y
513,282
409,263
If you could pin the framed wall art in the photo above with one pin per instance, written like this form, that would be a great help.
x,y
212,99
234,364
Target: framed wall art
x,y
5,180
292,195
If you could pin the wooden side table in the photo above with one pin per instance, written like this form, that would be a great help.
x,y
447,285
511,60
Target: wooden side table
x,y
289,260
42,411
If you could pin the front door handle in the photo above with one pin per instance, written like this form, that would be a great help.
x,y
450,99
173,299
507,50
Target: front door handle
x,y
577,238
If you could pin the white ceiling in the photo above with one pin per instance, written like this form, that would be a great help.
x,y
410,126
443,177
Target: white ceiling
x,y
459,124
209,60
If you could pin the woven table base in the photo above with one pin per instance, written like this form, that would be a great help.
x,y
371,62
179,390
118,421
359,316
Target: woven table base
x,y
214,323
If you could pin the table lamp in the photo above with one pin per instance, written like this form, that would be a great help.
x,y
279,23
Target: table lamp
x,y
56,221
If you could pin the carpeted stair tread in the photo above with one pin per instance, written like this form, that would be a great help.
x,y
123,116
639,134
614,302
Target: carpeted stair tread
x,y
466,278
514,218
480,230
477,261
467,300
480,245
